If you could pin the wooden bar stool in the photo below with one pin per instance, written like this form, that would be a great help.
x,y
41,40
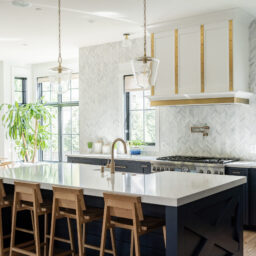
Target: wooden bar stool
x,y
126,212
27,196
4,203
69,203
5,164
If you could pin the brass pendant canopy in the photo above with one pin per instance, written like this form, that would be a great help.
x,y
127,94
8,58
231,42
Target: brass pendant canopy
x,y
145,68
60,77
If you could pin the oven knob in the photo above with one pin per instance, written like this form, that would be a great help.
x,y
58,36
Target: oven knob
x,y
154,168
221,173
162,169
167,169
209,172
158,169
216,172
201,171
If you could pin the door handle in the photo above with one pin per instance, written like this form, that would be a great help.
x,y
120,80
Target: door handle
x,y
121,166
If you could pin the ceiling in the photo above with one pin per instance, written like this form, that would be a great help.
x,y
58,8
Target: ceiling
x,y
29,35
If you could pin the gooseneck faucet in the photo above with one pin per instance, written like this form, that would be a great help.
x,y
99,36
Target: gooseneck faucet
x,y
112,163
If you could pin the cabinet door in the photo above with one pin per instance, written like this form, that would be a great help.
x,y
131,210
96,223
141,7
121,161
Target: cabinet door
x,y
243,172
252,191
189,67
217,57
164,51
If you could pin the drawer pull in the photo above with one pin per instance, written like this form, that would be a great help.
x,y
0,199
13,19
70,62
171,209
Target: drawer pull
x,y
236,172
121,166
144,166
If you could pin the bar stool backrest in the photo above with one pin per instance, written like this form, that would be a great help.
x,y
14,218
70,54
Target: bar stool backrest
x,y
2,192
69,198
121,206
28,192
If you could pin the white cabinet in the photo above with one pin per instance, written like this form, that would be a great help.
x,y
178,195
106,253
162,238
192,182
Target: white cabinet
x,y
216,61
189,68
164,50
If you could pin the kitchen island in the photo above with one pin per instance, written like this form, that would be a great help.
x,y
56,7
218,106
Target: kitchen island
x,y
203,213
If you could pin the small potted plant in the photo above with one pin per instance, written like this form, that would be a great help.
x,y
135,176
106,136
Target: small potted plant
x,y
136,147
90,145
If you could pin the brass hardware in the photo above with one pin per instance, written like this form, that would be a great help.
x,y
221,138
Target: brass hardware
x,y
231,81
144,166
201,129
236,172
199,101
152,55
176,61
112,163
202,59
121,167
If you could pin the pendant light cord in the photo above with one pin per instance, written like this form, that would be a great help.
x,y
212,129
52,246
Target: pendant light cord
x,y
145,28
59,13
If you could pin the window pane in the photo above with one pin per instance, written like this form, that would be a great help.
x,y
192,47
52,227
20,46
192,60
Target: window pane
x,y
75,83
75,120
75,95
136,125
150,126
67,146
75,144
46,86
66,96
18,97
47,97
18,84
136,100
67,120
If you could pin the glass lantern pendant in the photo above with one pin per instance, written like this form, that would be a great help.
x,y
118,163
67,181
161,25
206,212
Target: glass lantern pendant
x,y
145,68
60,77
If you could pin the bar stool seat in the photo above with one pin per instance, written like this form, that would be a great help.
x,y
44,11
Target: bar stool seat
x,y
90,214
149,223
125,212
27,196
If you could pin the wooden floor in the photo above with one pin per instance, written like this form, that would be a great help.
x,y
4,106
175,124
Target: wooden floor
x,y
249,243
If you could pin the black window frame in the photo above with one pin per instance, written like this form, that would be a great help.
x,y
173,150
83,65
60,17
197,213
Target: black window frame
x,y
127,114
24,89
59,105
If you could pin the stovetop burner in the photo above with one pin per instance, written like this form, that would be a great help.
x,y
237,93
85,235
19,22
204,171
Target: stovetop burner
x,y
195,159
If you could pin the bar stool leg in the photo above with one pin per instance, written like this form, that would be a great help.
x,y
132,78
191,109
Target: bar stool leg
x,y
80,237
164,234
14,218
137,242
113,242
71,237
104,233
132,244
1,234
53,224
45,234
36,233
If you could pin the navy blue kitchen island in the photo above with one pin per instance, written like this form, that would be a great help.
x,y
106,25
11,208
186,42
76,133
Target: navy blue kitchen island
x,y
203,213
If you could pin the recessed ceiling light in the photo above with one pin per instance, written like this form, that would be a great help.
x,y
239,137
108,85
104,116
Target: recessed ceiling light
x,y
21,3
108,14
91,21
38,9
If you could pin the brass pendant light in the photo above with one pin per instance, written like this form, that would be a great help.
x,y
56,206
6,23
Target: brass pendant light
x,y
145,68
60,77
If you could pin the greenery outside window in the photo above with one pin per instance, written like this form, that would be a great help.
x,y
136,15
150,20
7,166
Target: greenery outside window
x,y
64,129
20,90
140,117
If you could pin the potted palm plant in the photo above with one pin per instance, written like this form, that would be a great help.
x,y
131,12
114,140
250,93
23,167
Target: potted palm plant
x,y
27,125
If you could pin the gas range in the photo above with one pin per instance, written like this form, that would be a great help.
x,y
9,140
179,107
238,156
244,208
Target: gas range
x,y
207,165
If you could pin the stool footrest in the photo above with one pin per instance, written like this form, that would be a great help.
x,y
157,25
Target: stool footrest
x,y
25,230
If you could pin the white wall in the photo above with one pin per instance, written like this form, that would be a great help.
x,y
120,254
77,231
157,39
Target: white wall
x,y
8,71
101,74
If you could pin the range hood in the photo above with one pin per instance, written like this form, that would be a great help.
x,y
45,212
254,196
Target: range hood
x,y
202,99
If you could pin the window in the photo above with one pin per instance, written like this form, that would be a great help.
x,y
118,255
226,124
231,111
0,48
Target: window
x,y
20,87
140,118
64,128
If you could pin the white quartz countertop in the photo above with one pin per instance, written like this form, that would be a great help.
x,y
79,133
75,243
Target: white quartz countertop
x,y
242,164
117,157
163,188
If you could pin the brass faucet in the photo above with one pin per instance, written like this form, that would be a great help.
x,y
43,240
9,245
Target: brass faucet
x,y
112,163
